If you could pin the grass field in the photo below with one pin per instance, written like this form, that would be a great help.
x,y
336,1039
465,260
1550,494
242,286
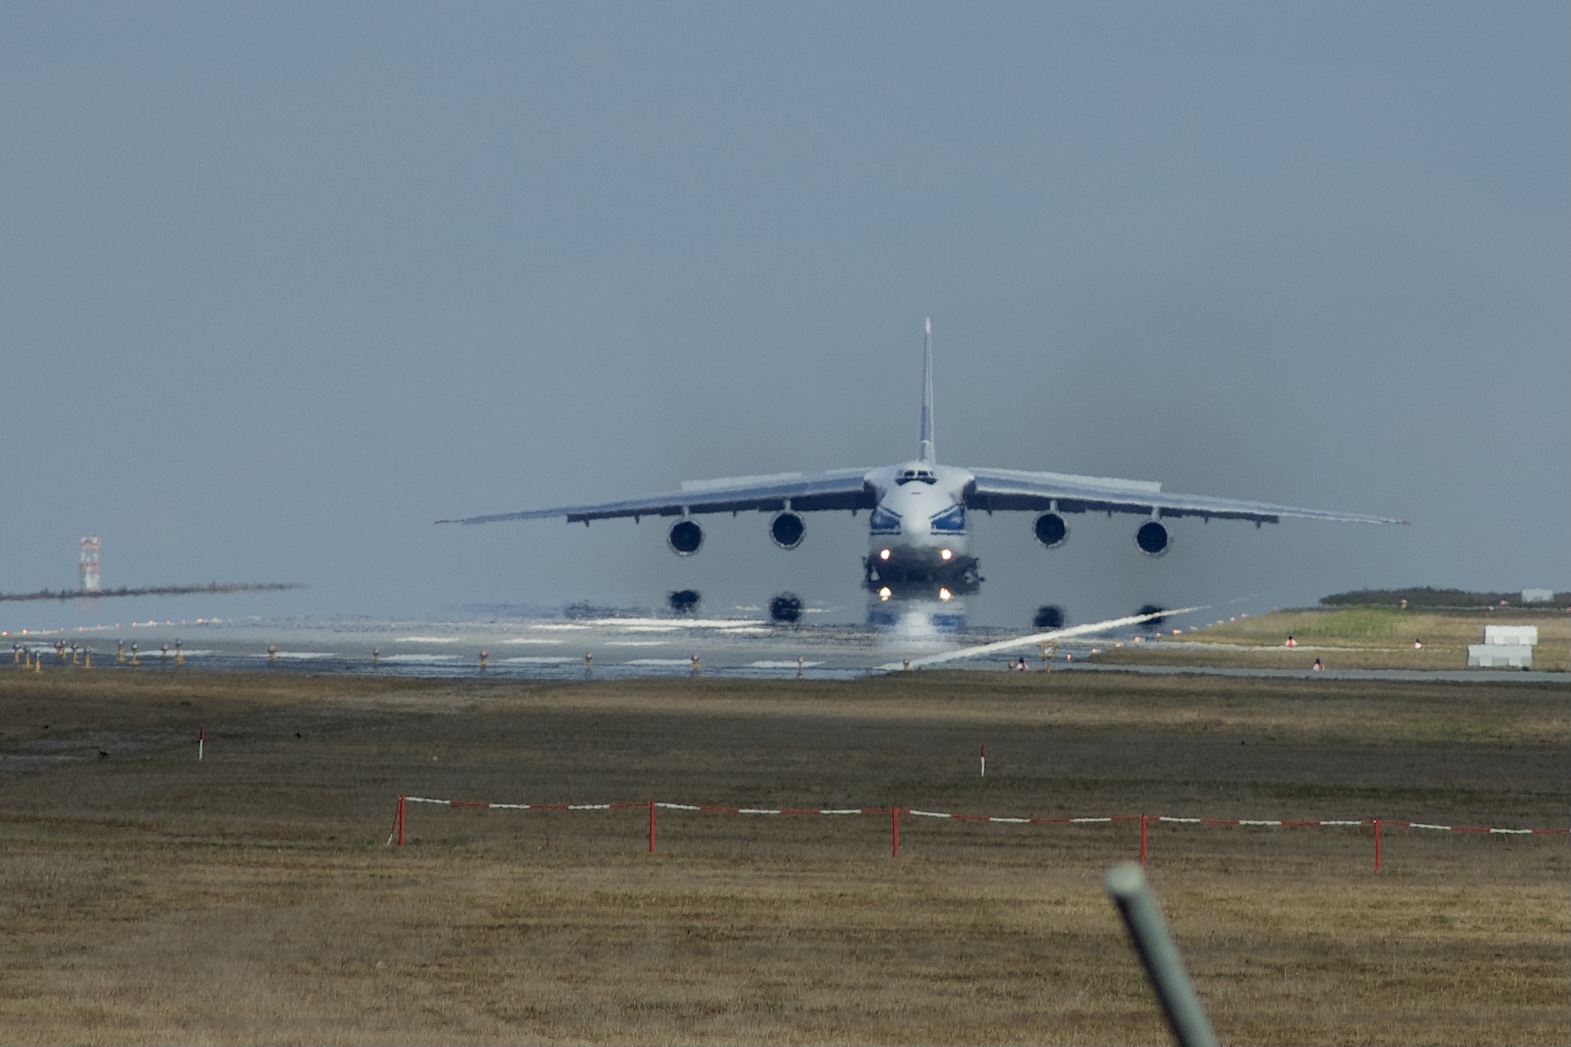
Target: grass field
x,y
1353,638
251,898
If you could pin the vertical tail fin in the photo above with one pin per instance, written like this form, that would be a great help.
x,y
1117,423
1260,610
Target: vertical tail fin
x,y
925,452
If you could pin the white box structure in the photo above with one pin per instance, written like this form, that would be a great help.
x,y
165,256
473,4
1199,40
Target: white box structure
x,y
1499,656
1526,635
1538,596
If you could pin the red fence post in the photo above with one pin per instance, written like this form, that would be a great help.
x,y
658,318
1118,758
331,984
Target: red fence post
x,y
1142,839
1377,845
894,832
399,819
651,827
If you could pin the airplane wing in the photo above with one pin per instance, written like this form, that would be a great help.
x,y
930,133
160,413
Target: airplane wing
x,y
806,492
1005,489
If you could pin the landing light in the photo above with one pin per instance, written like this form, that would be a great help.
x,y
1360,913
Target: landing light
x,y
944,594
947,554
885,593
883,554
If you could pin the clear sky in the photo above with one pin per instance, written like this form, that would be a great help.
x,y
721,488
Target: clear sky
x,y
281,284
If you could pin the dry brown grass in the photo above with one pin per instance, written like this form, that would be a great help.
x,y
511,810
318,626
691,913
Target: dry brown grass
x,y
250,898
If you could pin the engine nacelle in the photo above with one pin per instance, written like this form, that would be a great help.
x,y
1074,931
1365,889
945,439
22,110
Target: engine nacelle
x,y
1051,530
785,608
1152,538
1049,616
685,537
683,601
787,530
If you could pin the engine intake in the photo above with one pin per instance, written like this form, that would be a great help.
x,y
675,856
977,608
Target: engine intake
x,y
1152,538
787,530
1051,530
685,537
785,608
1049,616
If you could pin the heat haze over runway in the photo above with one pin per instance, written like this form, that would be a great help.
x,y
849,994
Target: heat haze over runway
x,y
559,647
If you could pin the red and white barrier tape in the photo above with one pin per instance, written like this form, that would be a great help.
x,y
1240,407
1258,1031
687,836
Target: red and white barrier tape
x,y
1291,823
1018,821
524,806
713,809
1477,829
652,806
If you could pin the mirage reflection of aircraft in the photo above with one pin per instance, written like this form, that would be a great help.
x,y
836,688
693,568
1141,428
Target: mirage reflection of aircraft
x,y
917,534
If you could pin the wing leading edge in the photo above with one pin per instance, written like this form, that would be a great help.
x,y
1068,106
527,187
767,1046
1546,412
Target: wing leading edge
x,y
1006,489
837,489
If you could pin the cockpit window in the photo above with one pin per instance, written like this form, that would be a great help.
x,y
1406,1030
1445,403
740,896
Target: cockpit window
x,y
924,475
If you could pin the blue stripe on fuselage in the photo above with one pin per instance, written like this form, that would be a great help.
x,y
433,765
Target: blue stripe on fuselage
x,y
950,521
884,521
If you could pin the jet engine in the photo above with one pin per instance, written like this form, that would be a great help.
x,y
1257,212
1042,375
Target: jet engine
x,y
1049,616
787,530
683,601
1051,530
785,608
1152,538
685,537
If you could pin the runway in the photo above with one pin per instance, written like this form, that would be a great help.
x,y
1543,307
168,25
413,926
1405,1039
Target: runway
x,y
530,648
562,648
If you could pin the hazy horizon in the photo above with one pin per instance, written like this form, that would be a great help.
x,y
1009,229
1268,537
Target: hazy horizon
x,y
286,284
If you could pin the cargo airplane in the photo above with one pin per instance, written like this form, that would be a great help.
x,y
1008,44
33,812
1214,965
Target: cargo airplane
x,y
916,526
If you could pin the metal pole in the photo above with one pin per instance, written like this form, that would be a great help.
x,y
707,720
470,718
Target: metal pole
x,y
894,832
1159,954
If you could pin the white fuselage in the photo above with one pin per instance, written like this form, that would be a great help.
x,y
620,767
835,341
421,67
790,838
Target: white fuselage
x,y
918,529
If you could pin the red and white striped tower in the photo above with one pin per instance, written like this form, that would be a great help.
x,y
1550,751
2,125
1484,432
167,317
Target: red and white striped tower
x,y
88,566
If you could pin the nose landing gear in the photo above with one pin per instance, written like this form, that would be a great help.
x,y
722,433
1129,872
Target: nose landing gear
x,y
960,574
